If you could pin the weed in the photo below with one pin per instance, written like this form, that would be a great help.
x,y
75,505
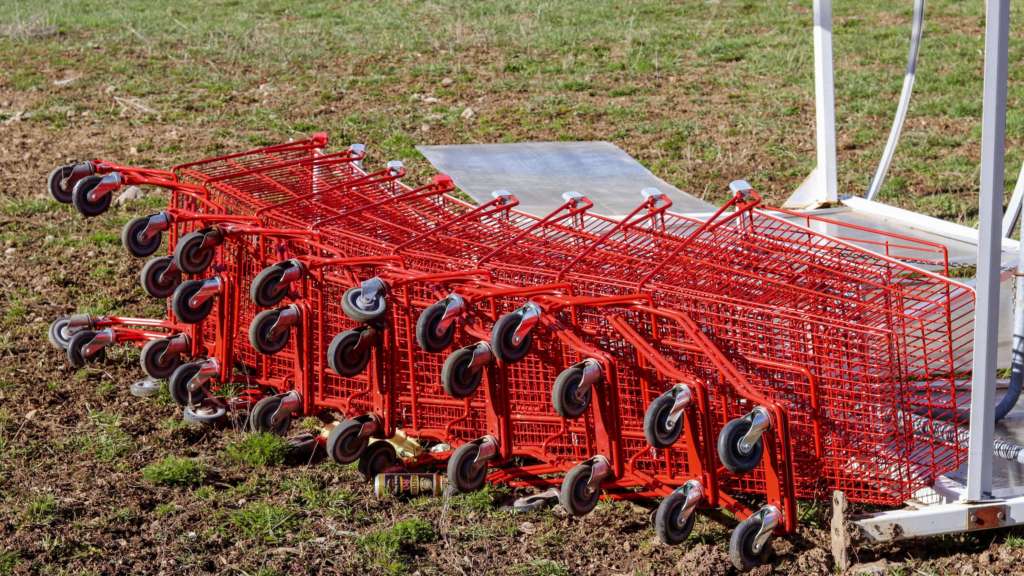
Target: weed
x,y
540,567
260,449
107,441
41,509
174,471
164,509
9,560
387,549
264,522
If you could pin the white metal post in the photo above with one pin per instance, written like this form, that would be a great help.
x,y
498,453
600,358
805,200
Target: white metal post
x,y
824,102
990,204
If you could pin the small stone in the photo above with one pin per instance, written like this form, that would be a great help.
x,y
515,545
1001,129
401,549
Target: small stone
x,y
133,151
527,528
130,193
30,415
467,114
876,568
446,82
10,251
430,100
425,128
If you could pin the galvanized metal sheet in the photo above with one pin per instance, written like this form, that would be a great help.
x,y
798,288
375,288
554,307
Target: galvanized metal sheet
x,y
539,172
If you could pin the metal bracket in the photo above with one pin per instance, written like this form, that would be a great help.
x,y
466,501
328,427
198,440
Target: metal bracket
x,y
770,516
454,307
369,427
760,421
396,167
481,355
209,369
529,315
170,269
156,224
503,195
175,345
107,184
693,493
600,468
488,450
367,336
295,271
591,375
682,396
81,170
101,340
212,238
290,402
741,188
368,292
210,288
79,322
286,318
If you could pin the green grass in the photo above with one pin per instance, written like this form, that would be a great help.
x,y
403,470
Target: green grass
x,y
387,550
540,567
174,471
105,440
256,450
264,522
41,509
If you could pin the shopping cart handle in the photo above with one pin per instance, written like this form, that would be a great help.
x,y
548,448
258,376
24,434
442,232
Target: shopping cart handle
x,y
652,193
501,194
740,187
572,196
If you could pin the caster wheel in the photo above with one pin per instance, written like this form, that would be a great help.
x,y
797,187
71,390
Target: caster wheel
x,y
80,197
205,415
59,333
575,496
742,550
261,418
501,339
260,337
732,456
354,310
301,448
344,444
155,362
463,475
426,329
667,523
76,354
177,385
59,183
266,289
145,388
565,393
656,428
183,309
344,355
379,457
190,255
458,380
156,280
131,238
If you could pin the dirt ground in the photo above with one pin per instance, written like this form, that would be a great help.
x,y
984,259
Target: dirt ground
x,y
80,489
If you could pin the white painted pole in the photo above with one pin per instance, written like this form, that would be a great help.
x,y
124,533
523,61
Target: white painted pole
x,y
990,205
824,102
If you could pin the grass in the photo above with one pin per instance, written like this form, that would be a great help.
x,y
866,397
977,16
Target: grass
x,y
258,450
387,550
540,567
174,471
106,440
264,522
41,509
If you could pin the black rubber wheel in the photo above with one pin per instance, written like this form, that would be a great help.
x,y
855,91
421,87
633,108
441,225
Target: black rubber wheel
x,y
501,339
350,305
656,429
458,380
344,444
155,279
80,197
155,362
131,234
741,545
262,415
266,289
666,519
729,450
190,255
461,475
58,185
59,334
426,329
76,356
574,496
343,355
181,307
259,333
177,385
205,415
564,393
378,457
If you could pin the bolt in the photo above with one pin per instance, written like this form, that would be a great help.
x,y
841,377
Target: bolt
x,y
975,520
1001,515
